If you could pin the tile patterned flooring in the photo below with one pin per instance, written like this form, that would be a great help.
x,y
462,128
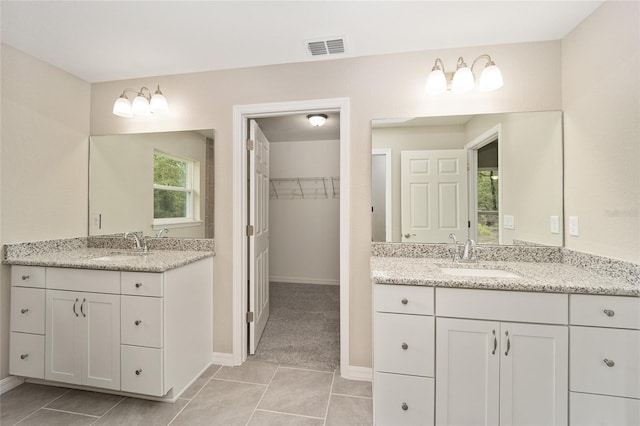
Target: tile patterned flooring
x,y
255,393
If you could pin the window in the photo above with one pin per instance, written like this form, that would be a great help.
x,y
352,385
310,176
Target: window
x,y
173,189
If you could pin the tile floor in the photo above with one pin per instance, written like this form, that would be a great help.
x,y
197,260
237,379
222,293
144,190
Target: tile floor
x,y
256,393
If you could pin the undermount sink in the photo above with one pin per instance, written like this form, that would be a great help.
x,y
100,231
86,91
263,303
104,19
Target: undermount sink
x,y
116,258
477,272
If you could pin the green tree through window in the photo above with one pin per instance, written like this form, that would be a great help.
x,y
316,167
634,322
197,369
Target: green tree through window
x,y
172,187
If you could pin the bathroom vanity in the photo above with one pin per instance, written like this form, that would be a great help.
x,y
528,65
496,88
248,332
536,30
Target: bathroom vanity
x,y
128,322
503,343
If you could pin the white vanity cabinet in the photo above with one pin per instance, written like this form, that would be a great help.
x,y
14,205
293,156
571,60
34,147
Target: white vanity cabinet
x,y
605,360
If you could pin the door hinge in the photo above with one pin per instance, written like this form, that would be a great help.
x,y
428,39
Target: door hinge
x,y
249,144
249,316
468,166
468,224
249,230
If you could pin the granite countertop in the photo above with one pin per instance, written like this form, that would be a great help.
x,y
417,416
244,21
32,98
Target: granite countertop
x,y
532,276
85,258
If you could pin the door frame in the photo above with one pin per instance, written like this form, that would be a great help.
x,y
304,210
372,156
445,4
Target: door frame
x,y
472,149
241,115
386,152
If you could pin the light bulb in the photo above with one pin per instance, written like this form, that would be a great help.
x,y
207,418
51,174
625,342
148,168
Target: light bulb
x,y
490,79
140,106
122,107
317,120
436,82
463,80
159,102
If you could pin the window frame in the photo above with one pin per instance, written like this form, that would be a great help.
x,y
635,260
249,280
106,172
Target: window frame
x,y
189,189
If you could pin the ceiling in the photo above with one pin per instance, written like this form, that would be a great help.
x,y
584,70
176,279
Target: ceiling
x,y
113,40
296,128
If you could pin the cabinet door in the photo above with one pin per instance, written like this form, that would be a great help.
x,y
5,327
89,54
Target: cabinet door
x,y
63,343
467,372
101,340
534,374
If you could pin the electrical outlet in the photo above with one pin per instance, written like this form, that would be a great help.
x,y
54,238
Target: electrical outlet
x,y
574,226
508,222
554,224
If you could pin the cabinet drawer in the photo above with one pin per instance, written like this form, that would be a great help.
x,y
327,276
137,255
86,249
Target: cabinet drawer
x,y
27,310
603,410
403,400
142,370
590,347
26,355
27,276
403,299
517,306
142,284
404,344
141,321
88,280
605,311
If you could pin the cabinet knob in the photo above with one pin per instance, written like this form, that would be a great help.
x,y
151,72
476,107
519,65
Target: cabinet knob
x,y
138,322
609,362
609,312
24,310
405,407
138,285
405,346
25,277
404,301
138,371
24,356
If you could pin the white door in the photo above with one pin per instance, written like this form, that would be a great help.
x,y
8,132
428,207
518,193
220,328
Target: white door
x,y
63,343
100,317
259,238
534,372
433,195
467,372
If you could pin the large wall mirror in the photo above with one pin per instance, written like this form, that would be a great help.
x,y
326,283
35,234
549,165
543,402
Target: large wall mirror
x,y
495,178
156,183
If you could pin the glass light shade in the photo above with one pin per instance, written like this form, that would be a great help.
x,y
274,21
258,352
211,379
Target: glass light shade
x,y
159,103
122,107
490,79
436,82
463,80
140,106
317,120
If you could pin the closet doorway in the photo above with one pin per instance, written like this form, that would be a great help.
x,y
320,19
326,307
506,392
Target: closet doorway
x,y
308,238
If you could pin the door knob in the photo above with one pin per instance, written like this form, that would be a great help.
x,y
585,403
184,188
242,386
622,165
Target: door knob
x,y
408,235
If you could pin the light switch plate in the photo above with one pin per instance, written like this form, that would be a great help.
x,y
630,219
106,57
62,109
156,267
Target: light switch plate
x,y
574,226
508,222
554,224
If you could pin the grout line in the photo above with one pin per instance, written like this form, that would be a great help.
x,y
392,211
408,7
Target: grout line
x,y
266,388
107,412
290,414
43,406
189,401
307,369
326,411
239,381
71,412
352,396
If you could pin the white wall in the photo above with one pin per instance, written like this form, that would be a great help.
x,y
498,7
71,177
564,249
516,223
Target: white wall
x,y
44,157
304,239
601,103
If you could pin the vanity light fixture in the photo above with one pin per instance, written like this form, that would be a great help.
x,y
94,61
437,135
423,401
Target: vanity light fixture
x,y
317,120
143,104
463,79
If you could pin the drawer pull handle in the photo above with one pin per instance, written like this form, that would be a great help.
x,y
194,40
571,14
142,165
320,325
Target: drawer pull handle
x,y
24,310
404,301
405,346
609,362
138,371
25,277
506,333
405,407
138,322
609,312
495,343
74,307
24,356
138,285
82,308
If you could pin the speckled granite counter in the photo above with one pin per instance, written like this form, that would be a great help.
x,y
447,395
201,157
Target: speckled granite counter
x,y
541,277
85,258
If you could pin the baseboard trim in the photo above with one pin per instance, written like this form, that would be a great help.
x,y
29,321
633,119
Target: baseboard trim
x,y
300,280
352,372
224,358
10,382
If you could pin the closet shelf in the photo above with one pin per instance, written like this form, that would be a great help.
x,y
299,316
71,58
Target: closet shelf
x,y
310,188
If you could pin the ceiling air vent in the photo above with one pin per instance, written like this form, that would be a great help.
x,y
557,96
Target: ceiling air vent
x,y
326,46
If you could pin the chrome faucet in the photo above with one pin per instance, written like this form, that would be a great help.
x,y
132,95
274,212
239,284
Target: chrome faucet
x,y
162,231
138,246
456,251
469,252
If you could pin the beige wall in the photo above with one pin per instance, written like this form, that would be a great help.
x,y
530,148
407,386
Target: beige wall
x,y
43,181
378,86
601,102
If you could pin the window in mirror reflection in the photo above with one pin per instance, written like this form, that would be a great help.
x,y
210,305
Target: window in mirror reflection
x,y
173,191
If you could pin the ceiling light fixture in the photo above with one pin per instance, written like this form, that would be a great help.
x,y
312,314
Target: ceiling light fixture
x,y
317,120
143,104
463,79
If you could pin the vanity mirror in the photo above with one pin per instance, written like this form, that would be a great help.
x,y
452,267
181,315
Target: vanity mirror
x,y
496,178
152,182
